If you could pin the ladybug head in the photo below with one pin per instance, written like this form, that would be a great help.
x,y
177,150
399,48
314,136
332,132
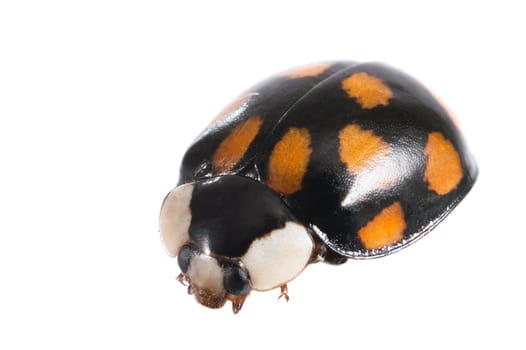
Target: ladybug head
x,y
232,234
213,280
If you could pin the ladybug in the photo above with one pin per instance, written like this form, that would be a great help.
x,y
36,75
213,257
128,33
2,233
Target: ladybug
x,y
322,163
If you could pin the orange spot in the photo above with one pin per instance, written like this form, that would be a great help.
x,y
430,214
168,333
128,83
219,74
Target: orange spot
x,y
443,167
359,148
369,91
235,145
384,229
310,70
239,103
288,161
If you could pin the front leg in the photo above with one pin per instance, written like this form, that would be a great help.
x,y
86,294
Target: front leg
x,y
284,292
237,302
183,279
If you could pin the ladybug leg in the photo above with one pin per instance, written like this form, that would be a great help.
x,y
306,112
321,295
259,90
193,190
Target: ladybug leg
x,y
183,279
237,302
322,253
333,258
284,292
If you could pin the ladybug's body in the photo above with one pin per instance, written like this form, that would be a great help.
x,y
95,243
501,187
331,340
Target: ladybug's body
x,y
342,160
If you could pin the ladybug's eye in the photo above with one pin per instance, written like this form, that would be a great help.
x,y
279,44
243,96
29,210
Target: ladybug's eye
x,y
235,280
185,254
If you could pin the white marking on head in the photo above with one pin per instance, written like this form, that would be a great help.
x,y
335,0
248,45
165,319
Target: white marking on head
x,y
278,257
206,281
175,218
204,272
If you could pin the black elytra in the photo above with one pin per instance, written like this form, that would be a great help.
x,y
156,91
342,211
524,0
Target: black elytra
x,y
231,207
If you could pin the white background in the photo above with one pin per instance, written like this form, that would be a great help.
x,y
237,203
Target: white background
x,y
98,102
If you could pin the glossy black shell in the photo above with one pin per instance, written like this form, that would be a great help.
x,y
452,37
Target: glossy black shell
x,y
319,104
